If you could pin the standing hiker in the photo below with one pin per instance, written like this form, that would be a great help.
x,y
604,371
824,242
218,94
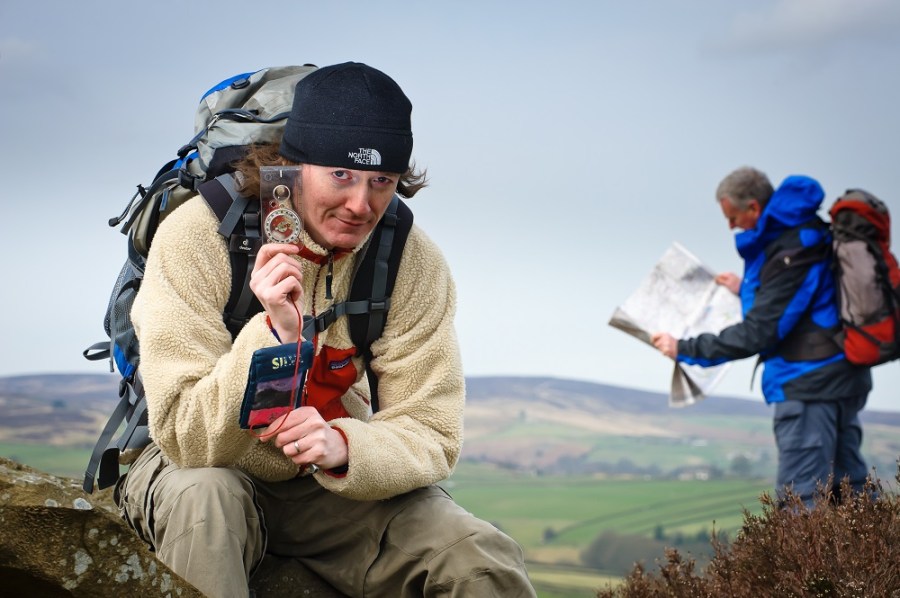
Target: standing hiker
x,y
790,317
350,494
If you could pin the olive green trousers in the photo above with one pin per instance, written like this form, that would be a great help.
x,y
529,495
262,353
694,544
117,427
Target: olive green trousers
x,y
213,525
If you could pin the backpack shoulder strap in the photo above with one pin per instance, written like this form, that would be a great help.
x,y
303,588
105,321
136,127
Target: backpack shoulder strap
x,y
374,282
807,341
239,225
795,257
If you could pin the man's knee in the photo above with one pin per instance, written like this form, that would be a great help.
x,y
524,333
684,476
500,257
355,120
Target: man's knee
x,y
486,562
461,554
208,520
212,495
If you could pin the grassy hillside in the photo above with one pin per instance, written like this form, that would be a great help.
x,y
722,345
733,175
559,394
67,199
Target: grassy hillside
x,y
559,465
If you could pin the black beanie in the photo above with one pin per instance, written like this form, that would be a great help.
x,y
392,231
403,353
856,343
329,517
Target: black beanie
x,y
351,116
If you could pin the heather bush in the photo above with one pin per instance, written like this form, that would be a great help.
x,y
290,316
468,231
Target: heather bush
x,y
847,545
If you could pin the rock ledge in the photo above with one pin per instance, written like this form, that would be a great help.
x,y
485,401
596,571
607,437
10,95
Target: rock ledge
x,y
58,541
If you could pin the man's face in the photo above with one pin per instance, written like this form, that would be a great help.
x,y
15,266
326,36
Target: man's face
x,y
339,206
743,219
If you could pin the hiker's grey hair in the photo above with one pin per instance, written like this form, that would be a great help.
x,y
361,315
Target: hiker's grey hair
x,y
742,186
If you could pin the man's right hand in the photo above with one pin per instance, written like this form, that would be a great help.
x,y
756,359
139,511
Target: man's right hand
x,y
666,343
276,282
730,281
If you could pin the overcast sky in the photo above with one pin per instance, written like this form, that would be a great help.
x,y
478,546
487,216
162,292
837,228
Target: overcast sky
x,y
568,145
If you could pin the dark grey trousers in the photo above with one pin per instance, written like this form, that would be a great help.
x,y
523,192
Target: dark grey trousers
x,y
816,439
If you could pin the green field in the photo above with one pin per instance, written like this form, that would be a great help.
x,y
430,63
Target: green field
x,y
559,581
578,509
61,461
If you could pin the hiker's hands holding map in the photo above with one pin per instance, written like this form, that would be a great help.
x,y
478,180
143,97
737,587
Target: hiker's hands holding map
x,y
681,298
275,281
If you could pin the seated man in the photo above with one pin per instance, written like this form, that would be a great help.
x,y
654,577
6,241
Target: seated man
x,y
350,494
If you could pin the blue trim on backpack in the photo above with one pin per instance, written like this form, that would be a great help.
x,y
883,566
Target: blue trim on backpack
x,y
183,162
125,367
227,82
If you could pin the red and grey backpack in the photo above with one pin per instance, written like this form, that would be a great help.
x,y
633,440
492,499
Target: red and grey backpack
x,y
867,278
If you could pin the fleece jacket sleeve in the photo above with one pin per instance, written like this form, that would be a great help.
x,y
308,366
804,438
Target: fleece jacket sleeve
x,y
194,377
415,438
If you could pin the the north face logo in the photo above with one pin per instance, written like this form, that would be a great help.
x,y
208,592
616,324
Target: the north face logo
x,y
367,156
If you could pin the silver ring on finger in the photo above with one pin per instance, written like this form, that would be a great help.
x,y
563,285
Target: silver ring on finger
x,y
296,447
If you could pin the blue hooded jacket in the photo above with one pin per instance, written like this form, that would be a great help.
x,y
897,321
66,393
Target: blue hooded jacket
x,y
789,304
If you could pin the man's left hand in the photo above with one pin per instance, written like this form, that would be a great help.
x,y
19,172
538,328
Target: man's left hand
x,y
307,439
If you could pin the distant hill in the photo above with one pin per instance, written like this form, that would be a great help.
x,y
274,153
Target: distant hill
x,y
56,409
543,425
629,400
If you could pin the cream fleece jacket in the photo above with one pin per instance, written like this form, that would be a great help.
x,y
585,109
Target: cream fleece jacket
x,y
195,376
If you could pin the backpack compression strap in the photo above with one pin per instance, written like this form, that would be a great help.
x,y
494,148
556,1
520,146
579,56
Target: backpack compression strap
x,y
132,407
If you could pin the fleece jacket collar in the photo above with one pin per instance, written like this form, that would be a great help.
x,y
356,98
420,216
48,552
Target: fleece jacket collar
x,y
315,253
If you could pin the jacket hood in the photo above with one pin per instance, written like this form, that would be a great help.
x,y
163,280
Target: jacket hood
x,y
795,202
